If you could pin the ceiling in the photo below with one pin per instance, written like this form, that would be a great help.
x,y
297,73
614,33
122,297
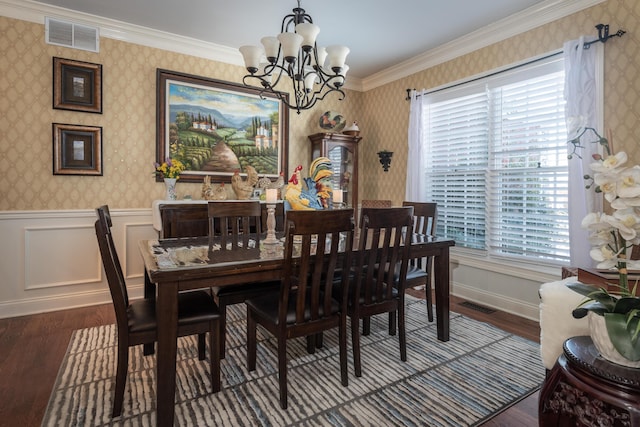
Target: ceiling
x,y
380,33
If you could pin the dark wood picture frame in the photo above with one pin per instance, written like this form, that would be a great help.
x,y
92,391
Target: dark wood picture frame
x,y
77,149
77,86
212,127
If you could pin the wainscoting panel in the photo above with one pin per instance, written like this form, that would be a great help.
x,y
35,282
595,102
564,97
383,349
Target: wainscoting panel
x,y
53,261
50,262
60,256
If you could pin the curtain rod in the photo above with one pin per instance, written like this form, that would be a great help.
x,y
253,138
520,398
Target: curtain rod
x,y
603,36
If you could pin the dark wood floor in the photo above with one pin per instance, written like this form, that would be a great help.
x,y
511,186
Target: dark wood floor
x,y
32,348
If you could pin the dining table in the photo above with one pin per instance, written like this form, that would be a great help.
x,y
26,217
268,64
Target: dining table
x,y
179,264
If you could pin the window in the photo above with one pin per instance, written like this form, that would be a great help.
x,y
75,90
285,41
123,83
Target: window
x,y
496,162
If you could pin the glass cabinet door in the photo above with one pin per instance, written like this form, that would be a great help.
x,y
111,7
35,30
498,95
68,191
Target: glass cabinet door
x,y
342,162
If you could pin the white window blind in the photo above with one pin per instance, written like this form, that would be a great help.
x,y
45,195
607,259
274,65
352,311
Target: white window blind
x,y
497,162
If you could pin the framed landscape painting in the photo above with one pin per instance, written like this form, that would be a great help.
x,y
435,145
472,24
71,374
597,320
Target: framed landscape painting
x,y
217,128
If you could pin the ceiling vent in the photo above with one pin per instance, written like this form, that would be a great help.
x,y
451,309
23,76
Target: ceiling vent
x,y
72,35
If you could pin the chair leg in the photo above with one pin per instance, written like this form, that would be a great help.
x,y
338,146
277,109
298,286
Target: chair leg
x,y
342,336
401,331
355,343
282,370
121,377
214,352
202,346
223,327
366,326
311,344
392,323
429,298
251,341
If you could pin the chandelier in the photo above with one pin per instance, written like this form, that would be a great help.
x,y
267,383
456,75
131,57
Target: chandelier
x,y
294,54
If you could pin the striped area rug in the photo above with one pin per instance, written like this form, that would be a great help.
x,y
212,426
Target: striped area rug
x,y
480,371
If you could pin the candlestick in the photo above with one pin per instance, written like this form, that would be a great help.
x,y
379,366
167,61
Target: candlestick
x,y
272,195
271,222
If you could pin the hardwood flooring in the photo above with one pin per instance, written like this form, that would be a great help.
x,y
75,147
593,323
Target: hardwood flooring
x,y
32,348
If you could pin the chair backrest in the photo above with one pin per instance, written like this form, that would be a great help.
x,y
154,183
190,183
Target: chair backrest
x,y
307,275
184,220
425,216
382,252
234,221
111,263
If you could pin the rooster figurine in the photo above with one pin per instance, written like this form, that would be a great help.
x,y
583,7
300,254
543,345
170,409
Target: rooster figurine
x,y
320,173
244,187
300,199
210,192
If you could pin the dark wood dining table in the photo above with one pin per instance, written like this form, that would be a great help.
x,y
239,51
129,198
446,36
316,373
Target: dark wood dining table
x,y
173,265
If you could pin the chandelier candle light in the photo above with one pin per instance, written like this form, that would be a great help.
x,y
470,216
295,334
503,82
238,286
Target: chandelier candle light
x,y
294,54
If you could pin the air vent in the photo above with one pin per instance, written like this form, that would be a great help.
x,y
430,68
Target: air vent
x,y
72,35
477,307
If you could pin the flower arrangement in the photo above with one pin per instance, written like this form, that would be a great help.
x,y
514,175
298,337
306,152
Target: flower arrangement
x,y
170,168
612,237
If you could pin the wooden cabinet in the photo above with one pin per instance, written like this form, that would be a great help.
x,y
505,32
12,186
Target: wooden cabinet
x,y
342,150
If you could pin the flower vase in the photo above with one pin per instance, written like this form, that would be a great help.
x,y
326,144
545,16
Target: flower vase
x,y
170,186
602,342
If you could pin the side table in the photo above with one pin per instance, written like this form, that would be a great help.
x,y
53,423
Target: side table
x,y
584,389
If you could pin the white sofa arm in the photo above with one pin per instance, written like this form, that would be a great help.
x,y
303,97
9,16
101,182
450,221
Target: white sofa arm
x,y
557,324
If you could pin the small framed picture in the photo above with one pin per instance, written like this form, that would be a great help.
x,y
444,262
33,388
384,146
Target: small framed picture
x,y
77,150
77,85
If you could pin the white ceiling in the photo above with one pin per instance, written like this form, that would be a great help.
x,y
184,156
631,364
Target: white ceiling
x,y
380,33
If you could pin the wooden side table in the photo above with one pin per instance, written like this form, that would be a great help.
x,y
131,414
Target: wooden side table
x,y
583,389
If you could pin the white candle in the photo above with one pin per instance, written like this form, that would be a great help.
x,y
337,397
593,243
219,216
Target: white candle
x,y
337,196
272,195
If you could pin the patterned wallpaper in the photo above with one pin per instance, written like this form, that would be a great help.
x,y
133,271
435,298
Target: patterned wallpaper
x,y
386,113
128,122
129,102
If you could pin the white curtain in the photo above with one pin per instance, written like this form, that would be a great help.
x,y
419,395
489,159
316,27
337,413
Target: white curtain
x,y
415,166
583,95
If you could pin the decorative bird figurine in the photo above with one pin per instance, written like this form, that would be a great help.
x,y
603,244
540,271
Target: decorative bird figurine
x,y
211,192
244,187
321,172
299,198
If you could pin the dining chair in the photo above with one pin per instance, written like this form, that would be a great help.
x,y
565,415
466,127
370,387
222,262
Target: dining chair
x,y
420,272
235,224
382,260
305,307
136,320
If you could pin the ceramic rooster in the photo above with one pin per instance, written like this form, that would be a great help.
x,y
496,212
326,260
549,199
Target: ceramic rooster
x,y
211,192
244,187
321,172
299,198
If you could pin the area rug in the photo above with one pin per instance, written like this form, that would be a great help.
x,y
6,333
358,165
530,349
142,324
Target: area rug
x,y
462,382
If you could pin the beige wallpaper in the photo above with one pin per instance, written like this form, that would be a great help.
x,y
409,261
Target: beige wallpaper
x,y
129,121
386,113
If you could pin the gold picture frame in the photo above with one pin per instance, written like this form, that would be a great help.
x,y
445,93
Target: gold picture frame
x,y
77,149
77,86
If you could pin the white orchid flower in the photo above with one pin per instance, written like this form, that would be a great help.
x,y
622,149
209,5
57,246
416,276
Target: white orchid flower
x,y
629,182
610,164
605,257
628,224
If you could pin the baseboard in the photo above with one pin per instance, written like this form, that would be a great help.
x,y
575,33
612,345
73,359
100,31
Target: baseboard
x,y
31,306
498,302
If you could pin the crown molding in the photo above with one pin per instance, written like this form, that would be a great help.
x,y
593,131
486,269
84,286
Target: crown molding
x,y
28,10
533,17
543,13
